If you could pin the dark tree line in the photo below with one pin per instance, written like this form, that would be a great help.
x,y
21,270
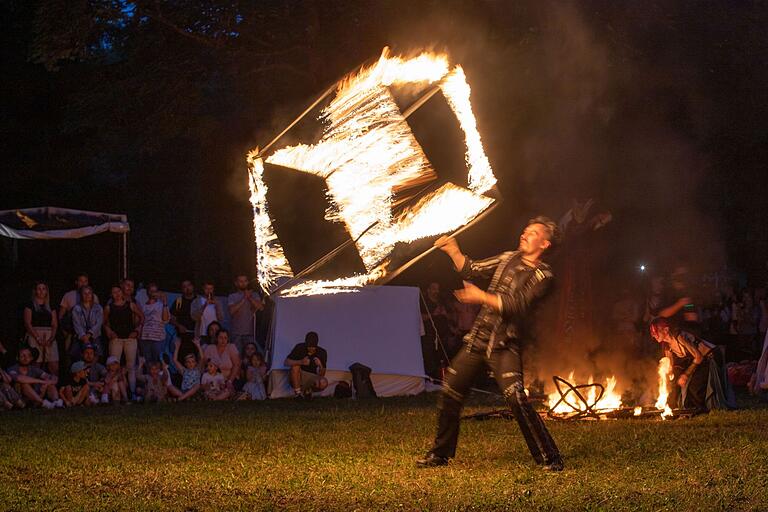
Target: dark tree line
x,y
148,107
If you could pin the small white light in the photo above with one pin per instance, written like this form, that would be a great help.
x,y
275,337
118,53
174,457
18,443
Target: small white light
x,y
642,268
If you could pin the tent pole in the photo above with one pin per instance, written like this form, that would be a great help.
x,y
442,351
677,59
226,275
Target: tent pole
x,y
125,256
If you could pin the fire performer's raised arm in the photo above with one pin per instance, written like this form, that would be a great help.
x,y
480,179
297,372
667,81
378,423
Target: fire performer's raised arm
x,y
464,265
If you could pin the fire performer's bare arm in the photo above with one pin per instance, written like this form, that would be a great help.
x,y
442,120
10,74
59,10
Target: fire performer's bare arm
x,y
450,246
698,358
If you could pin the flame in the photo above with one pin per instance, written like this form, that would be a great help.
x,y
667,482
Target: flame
x,y
319,287
456,91
366,154
610,400
665,375
637,411
271,263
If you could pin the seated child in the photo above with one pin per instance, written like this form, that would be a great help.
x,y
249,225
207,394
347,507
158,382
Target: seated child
x,y
191,371
78,392
214,384
155,383
115,383
254,375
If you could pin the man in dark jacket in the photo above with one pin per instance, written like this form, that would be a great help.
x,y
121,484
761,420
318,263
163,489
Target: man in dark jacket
x,y
519,280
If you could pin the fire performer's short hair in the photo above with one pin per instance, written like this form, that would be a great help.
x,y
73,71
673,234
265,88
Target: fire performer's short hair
x,y
550,227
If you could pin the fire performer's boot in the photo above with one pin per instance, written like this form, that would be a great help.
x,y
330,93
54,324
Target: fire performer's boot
x,y
431,460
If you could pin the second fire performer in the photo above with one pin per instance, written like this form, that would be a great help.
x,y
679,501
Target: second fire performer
x,y
519,279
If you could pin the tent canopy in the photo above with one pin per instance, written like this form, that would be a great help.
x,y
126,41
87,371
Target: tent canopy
x,y
48,223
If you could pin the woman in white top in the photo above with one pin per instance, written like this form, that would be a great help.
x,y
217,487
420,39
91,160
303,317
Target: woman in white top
x,y
226,357
156,315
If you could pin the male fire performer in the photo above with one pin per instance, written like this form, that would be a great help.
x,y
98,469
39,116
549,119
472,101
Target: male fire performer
x,y
518,280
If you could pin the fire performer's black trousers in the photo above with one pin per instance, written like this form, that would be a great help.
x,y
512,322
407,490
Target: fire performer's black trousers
x,y
507,367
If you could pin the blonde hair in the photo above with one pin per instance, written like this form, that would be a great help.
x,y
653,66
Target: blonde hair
x,y
47,303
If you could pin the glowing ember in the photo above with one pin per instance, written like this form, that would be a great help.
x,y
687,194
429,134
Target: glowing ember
x,y
665,376
637,411
367,153
610,400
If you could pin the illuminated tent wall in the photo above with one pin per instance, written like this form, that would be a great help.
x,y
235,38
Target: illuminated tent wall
x,y
379,326
368,176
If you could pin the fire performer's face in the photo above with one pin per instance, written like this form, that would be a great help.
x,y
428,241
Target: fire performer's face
x,y
534,240
660,333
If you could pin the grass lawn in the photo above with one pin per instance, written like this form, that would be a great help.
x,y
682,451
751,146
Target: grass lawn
x,y
345,455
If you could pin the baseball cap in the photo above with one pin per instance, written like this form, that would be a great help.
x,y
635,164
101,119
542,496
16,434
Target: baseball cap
x,y
77,367
89,346
112,359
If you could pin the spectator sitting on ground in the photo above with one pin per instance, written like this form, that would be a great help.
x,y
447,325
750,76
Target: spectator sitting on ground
x,y
191,372
78,391
156,315
41,323
248,351
210,336
226,357
255,375
214,384
123,321
181,318
37,387
97,373
206,309
154,382
307,363
87,320
8,395
115,384
243,305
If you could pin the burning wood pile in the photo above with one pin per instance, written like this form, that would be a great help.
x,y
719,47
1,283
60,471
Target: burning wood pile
x,y
595,400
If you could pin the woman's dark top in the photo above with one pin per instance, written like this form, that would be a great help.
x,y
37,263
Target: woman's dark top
x,y
41,315
121,319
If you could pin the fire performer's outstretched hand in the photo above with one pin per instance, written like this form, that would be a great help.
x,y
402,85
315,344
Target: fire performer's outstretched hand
x,y
471,294
448,245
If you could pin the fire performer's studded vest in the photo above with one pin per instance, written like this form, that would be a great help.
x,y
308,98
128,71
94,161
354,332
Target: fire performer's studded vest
x,y
520,287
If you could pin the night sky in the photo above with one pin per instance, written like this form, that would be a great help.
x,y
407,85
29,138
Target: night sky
x,y
658,110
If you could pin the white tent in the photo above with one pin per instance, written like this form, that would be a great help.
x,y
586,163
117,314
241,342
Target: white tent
x,y
379,326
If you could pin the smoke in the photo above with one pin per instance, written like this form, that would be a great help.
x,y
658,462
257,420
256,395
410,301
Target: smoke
x,y
586,100
579,100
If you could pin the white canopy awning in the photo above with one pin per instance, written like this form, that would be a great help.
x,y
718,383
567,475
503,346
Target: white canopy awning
x,y
48,223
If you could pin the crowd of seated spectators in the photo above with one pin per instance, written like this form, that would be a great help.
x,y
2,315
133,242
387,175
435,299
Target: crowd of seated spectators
x,y
135,347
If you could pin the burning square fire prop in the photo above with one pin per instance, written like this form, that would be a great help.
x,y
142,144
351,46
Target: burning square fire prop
x,y
369,178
